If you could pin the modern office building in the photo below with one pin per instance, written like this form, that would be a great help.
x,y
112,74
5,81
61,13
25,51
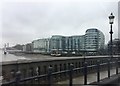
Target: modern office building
x,y
78,43
68,44
38,45
94,40
47,42
27,47
41,45
57,44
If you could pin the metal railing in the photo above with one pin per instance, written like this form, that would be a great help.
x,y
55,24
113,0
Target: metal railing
x,y
70,72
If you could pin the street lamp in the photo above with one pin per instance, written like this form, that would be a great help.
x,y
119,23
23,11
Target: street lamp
x,y
111,20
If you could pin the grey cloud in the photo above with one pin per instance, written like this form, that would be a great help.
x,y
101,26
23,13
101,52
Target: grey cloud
x,y
28,21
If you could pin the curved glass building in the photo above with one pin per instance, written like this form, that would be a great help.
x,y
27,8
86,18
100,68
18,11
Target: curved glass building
x,y
91,42
94,40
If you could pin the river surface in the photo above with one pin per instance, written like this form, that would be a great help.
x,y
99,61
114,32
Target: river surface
x,y
9,57
22,56
35,57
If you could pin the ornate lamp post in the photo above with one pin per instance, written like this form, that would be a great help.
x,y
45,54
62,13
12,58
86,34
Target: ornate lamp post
x,y
111,19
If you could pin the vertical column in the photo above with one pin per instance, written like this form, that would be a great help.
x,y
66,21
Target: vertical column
x,y
70,75
116,65
18,76
109,68
49,76
98,70
85,73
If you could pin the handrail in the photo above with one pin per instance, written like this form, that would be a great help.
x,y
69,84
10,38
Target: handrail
x,y
50,73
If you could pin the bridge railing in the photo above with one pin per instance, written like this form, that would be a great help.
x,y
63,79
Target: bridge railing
x,y
18,80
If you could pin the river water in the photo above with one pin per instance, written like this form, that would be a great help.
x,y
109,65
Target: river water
x,y
9,57
22,56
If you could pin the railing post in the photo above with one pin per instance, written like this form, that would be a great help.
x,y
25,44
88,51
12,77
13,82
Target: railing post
x,y
109,68
116,65
13,74
98,70
49,76
18,76
85,73
70,75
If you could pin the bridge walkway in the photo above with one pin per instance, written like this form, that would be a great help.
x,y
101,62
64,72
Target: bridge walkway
x,y
91,77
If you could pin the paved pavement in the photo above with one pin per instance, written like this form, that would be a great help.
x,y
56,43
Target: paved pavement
x,y
91,77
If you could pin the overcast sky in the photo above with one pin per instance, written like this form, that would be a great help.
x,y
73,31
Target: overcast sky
x,y
27,20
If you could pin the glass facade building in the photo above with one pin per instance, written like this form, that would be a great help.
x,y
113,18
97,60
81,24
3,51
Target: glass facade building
x,y
57,44
67,45
94,39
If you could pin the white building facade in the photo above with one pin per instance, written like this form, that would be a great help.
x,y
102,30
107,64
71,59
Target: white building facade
x,y
41,45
